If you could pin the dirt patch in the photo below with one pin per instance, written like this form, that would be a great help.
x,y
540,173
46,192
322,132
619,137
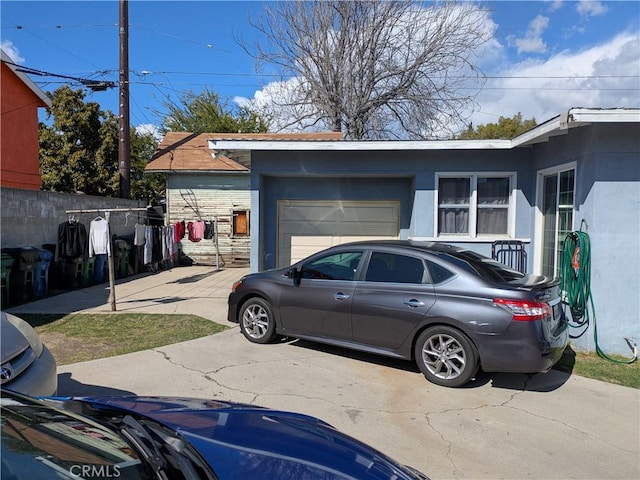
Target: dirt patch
x,y
68,350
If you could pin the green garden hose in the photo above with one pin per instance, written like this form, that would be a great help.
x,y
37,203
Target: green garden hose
x,y
576,285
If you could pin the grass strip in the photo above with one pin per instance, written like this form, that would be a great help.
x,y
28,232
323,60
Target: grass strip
x,y
82,337
591,365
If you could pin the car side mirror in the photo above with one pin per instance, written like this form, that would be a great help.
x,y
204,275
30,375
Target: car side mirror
x,y
295,274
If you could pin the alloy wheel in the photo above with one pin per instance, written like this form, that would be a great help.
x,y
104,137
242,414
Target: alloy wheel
x,y
255,320
444,356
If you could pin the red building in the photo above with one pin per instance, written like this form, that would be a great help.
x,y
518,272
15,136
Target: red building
x,y
19,102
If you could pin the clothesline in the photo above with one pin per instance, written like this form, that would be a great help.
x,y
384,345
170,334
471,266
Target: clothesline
x,y
107,212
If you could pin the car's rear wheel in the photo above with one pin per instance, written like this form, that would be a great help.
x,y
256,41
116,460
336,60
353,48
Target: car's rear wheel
x,y
446,356
256,321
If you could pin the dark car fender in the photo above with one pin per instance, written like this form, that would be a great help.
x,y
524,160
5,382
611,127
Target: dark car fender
x,y
268,292
408,347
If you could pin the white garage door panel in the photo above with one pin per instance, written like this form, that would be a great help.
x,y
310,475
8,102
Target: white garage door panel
x,y
305,227
302,247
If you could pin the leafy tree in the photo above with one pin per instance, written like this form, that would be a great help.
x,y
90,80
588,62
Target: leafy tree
x,y
70,146
149,186
506,128
373,69
207,113
79,149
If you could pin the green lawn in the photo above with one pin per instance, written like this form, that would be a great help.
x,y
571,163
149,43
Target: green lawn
x,y
81,337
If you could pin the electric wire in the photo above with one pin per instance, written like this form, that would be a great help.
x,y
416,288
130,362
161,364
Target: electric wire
x,y
576,285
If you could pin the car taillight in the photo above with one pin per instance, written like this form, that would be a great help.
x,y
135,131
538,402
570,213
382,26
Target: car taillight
x,y
236,284
524,311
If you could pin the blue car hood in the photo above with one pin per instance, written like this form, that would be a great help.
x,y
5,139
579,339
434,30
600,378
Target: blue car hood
x,y
243,441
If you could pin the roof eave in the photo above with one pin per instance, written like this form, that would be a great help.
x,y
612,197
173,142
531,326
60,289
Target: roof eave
x,y
576,117
26,80
343,145
202,170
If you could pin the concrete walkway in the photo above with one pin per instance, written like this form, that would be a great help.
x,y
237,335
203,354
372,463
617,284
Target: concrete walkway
x,y
546,426
198,290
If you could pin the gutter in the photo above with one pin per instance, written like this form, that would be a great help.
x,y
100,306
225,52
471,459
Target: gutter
x,y
560,125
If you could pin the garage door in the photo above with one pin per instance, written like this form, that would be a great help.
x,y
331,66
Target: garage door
x,y
305,227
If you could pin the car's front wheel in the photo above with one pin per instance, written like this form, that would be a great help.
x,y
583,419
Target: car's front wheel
x,y
256,321
446,356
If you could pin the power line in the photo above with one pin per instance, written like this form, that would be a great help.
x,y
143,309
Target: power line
x,y
91,84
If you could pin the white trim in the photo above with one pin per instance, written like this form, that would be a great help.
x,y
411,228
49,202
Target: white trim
x,y
454,239
539,214
559,125
473,206
350,145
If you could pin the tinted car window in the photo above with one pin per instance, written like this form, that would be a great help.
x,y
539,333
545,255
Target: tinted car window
x,y
390,267
337,266
485,267
438,273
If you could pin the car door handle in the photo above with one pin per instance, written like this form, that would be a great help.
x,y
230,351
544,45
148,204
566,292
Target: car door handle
x,y
413,303
341,296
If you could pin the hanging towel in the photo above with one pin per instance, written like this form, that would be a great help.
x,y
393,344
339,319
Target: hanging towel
x,y
148,245
139,232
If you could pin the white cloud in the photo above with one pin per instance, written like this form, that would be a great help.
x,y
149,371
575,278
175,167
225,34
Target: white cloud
x,y
12,51
590,8
269,102
601,76
532,41
555,5
146,128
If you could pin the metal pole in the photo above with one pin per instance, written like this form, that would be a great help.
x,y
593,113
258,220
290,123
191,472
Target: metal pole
x,y
124,155
112,273
215,232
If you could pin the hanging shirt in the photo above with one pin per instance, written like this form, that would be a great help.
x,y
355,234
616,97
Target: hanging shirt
x,y
179,231
196,231
208,230
99,238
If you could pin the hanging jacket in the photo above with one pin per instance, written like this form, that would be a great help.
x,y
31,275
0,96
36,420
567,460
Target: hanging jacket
x,y
72,241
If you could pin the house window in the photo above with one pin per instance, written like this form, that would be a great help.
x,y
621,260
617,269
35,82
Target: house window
x,y
240,223
474,205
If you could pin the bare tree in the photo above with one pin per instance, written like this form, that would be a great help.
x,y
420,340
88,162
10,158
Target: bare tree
x,y
372,69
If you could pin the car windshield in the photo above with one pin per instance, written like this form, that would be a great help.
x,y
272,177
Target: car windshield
x,y
485,267
41,442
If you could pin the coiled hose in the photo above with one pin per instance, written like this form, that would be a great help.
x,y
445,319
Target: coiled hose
x,y
576,284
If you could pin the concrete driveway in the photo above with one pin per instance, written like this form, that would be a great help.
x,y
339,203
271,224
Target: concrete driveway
x,y
502,426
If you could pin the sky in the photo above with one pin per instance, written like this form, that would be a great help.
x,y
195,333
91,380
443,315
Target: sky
x,y
544,57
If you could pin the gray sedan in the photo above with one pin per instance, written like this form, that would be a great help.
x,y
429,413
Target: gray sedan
x,y
450,310
27,365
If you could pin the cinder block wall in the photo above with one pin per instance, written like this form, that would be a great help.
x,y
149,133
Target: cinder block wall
x,y
30,218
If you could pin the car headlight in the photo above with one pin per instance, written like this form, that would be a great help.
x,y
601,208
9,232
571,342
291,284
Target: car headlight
x,y
29,333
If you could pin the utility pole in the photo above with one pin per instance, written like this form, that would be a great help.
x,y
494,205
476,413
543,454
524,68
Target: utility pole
x,y
124,145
